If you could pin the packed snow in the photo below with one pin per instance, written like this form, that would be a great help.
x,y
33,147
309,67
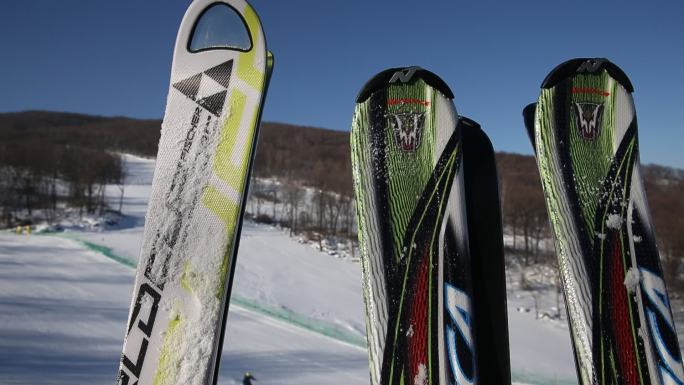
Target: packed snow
x,y
63,313
296,313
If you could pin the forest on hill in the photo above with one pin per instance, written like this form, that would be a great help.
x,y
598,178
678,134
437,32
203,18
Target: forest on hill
x,y
51,161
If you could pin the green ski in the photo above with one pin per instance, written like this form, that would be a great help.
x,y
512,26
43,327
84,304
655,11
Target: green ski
x,y
585,137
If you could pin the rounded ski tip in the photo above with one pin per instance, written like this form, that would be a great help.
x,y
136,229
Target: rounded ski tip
x,y
528,115
467,122
472,132
401,75
586,65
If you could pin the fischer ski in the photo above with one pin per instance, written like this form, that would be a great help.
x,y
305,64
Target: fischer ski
x,y
407,163
192,228
585,136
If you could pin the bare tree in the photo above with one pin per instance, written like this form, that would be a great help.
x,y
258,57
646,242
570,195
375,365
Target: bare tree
x,y
293,196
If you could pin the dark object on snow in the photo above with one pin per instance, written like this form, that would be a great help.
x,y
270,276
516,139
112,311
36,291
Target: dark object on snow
x,y
247,380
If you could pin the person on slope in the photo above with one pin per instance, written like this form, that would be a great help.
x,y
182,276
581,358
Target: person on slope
x,y
247,380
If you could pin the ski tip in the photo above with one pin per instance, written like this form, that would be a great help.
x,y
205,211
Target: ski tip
x,y
528,117
586,65
403,75
472,131
467,122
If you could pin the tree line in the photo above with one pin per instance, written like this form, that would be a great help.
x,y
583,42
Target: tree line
x,y
311,170
40,180
53,162
320,160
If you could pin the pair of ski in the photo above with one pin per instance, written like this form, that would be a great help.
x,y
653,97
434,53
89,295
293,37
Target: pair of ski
x,y
431,238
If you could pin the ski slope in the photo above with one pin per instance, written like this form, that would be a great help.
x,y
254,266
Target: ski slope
x,y
63,311
296,314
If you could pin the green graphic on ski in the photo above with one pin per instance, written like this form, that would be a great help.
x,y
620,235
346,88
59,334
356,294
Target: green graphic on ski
x,y
407,163
585,137
192,227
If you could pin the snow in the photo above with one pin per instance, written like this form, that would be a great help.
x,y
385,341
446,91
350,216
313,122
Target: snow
x,y
421,376
614,221
632,279
63,312
296,314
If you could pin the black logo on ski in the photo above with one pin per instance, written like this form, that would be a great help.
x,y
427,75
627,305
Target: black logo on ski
x,y
192,87
221,73
214,103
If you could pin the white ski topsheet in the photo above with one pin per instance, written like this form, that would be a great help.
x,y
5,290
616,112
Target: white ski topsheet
x,y
205,150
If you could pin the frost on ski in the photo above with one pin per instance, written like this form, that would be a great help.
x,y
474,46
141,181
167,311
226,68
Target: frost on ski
x,y
171,214
632,279
614,221
421,377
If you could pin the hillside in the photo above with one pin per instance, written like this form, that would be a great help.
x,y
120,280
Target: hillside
x,y
78,149
294,309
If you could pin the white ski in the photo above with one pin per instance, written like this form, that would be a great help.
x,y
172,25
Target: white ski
x,y
219,77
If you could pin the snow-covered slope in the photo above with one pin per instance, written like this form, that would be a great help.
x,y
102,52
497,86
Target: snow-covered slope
x,y
298,319
63,311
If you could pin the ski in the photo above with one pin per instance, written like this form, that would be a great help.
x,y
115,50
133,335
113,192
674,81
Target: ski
x,y
488,264
407,163
585,138
219,77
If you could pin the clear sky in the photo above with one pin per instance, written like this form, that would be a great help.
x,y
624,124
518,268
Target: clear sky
x,y
114,57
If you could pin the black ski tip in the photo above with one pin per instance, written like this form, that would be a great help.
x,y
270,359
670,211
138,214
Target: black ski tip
x,y
586,65
487,261
403,75
467,122
528,116
471,131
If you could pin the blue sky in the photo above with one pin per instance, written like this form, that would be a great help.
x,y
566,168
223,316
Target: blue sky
x,y
114,57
